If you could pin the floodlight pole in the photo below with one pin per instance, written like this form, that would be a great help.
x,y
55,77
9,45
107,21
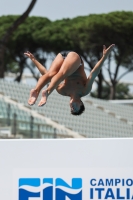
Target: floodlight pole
x,y
8,114
31,126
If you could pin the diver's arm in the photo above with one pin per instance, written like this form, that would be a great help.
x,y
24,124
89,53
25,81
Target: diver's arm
x,y
95,71
40,67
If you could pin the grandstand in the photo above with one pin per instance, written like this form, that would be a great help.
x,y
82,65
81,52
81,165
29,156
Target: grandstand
x,y
101,119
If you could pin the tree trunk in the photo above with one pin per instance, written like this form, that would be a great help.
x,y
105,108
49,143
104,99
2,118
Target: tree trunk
x,y
2,52
4,40
21,70
112,91
99,92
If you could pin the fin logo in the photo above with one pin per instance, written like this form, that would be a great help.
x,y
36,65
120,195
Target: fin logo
x,y
49,189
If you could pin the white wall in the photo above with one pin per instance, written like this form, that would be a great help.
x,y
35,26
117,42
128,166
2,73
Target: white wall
x,y
69,158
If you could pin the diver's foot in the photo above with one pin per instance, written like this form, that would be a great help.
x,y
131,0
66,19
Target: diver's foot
x,y
33,97
44,98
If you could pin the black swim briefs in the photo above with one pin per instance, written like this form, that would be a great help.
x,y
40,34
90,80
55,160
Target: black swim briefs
x,y
65,53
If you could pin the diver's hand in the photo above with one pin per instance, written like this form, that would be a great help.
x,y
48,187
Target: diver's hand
x,y
30,55
107,51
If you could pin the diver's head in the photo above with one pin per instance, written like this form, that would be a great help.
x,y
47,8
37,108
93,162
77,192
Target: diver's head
x,y
77,106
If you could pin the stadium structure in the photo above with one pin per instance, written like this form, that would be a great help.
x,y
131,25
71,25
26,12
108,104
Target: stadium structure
x,y
101,119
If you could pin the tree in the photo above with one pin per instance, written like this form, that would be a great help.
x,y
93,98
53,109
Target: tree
x,y
24,39
122,92
5,38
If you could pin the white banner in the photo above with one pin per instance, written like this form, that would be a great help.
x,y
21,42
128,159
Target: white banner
x,y
66,169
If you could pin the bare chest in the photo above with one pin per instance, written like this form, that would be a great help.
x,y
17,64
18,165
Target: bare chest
x,y
70,86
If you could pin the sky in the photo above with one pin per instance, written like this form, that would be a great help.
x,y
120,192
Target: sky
x,y
59,9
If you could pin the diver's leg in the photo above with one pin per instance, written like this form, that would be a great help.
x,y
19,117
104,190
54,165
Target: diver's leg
x,y
68,67
44,79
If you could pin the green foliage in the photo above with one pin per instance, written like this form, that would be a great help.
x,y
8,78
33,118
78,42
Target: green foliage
x,y
123,91
24,36
5,23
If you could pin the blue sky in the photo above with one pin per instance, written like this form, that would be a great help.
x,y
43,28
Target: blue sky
x,y
58,9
